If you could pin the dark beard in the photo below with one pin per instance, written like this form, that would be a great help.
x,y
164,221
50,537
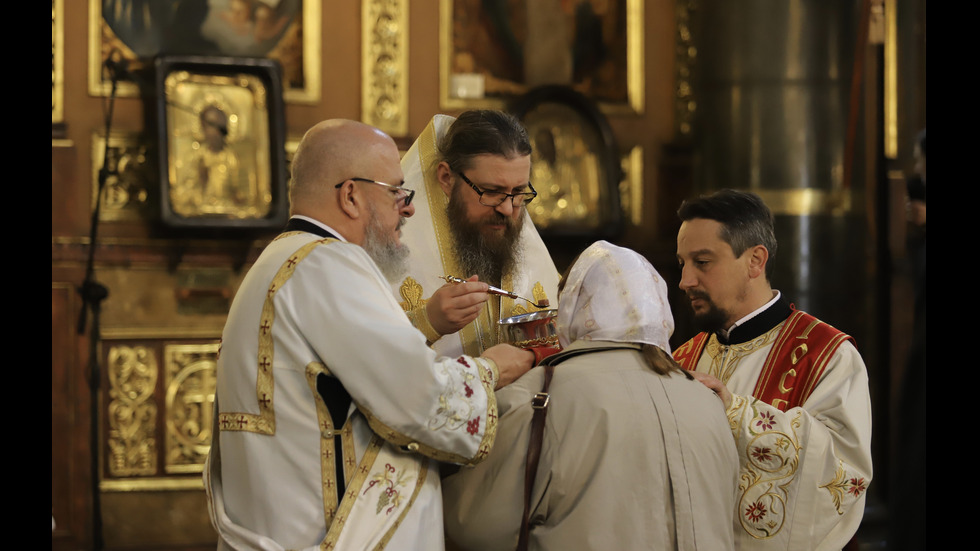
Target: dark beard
x,y
486,256
712,321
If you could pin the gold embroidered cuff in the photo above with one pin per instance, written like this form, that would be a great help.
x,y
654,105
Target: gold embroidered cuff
x,y
420,320
491,368
737,403
736,411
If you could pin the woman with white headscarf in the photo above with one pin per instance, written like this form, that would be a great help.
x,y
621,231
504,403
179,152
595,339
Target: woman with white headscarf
x,y
635,454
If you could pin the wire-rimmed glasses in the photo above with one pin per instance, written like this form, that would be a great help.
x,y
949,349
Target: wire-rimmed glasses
x,y
400,192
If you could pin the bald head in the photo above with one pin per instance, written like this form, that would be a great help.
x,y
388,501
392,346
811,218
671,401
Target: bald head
x,y
329,153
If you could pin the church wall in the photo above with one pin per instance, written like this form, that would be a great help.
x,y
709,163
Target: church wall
x,y
167,295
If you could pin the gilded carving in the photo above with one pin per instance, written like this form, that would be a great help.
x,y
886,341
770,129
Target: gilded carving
x,y
57,61
132,411
384,73
219,142
631,187
190,380
125,193
288,32
686,55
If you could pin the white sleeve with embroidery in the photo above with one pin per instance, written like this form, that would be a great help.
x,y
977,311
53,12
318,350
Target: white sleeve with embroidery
x,y
348,318
804,473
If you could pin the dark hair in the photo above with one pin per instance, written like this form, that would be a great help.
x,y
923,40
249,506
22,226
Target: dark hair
x,y
480,132
661,362
746,221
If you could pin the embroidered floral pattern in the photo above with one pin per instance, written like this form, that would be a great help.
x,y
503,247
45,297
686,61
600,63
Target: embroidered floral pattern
x,y
766,420
456,405
473,426
755,512
857,487
762,453
390,496
769,464
843,485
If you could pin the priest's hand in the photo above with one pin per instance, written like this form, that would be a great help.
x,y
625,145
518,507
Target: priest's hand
x,y
512,362
716,385
454,305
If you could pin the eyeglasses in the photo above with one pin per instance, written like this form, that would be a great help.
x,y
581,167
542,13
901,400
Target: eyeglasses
x,y
400,192
496,198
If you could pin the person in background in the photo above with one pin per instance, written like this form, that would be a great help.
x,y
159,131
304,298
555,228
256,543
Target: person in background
x,y
907,528
795,389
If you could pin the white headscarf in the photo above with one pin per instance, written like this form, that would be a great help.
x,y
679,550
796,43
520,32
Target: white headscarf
x,y
614,294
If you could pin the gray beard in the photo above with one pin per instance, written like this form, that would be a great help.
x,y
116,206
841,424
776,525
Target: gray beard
x,y
476,254
381,246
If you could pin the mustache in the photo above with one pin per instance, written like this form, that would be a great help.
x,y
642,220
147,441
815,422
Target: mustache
x,y
694,294
495,218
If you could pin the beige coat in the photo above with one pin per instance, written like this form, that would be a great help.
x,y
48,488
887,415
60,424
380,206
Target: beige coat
x,y
630,460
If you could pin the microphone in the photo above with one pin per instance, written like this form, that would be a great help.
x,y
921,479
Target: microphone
x,y
116,65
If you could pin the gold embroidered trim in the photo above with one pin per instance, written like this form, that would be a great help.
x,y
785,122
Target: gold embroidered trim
x,y
821,362
726,359
347,442
412,292
328,470
265,421
489,377
353,490
768,464
420,319
438,201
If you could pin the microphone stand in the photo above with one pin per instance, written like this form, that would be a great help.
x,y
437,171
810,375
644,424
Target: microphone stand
x,y
93,293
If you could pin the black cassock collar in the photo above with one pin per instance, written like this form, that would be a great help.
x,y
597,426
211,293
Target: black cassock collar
x,y
764,321
298,224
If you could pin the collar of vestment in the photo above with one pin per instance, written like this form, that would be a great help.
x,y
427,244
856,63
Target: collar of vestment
x,y
302,224
764,321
